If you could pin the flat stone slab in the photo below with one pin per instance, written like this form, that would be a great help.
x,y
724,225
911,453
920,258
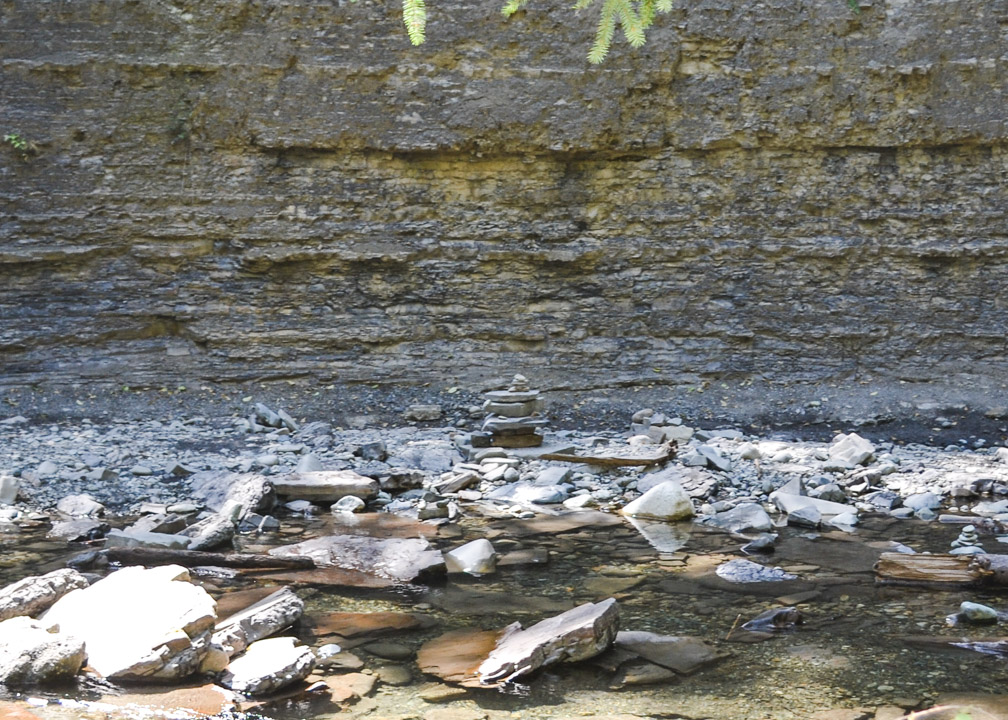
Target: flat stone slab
x,y
396,559
578,634
354,624
326,485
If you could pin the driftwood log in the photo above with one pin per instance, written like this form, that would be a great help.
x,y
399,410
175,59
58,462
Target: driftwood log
x,y
919,569
194,558
661,455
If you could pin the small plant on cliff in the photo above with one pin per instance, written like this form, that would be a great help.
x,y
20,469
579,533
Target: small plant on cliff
x,y
25,148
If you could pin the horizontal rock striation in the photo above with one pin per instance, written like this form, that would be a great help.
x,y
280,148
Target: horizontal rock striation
x,y
232,191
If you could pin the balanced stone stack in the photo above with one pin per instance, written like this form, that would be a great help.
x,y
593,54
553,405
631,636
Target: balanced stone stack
x,y
513,417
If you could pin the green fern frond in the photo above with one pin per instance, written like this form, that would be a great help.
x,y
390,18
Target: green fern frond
x,y
604,33
664,6
582,4
513,6
415,19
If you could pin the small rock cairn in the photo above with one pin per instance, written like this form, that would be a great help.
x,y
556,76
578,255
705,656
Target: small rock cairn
x,y
968,542
513,417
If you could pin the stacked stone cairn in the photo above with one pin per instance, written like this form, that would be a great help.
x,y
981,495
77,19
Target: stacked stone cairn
x,y
513,417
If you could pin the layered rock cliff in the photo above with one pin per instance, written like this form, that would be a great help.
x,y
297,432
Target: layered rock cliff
x,y
231,190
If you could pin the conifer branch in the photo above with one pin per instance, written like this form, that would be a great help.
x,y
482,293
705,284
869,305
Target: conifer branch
x,y
604,33
415,20
514,6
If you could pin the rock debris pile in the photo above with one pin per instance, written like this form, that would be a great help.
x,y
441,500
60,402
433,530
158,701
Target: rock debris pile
x,y
168,502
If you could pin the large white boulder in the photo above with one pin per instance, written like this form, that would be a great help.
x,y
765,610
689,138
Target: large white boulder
x,y
667,501
140,623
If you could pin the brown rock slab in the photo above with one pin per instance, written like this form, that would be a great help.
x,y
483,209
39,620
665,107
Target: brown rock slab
x,y
455,656
330,577
387,525
16,711
842,714
984,706
231,602
455,713
207,699
350,687
353,624
484,602
441,693
555,524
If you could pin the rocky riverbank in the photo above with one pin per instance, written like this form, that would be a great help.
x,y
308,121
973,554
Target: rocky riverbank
x,y
280,486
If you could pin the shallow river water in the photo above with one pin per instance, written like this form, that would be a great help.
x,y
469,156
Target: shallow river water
x,y
859,645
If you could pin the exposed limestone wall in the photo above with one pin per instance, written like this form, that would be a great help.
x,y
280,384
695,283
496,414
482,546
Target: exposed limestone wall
x,y
234,189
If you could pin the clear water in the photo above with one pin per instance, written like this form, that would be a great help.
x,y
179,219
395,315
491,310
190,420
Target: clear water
x,y
856,648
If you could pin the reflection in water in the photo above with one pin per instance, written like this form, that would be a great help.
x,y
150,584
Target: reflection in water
x,y
664,537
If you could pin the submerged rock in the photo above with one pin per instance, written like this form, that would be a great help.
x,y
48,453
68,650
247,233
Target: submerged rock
x,y
682,654
665,537
775,620
741,570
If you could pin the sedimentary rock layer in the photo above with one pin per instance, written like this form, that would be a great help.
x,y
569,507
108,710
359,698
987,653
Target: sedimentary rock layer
x,y
234,190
